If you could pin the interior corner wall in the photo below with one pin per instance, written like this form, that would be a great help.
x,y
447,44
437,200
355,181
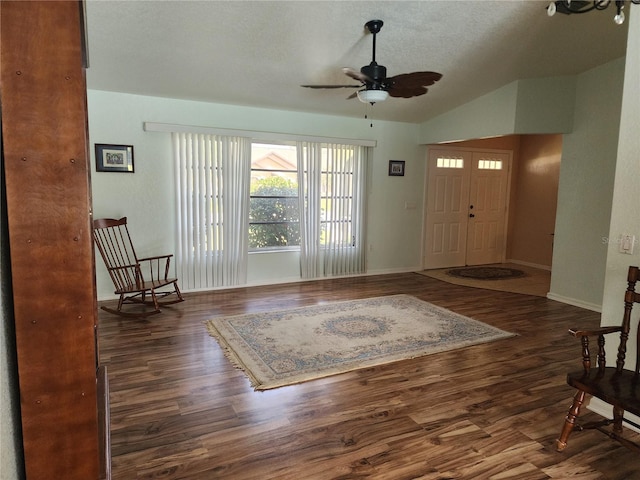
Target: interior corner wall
x,y
586,188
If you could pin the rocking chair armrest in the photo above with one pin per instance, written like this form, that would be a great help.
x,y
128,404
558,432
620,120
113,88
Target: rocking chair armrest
x,y
155,265
596,332
584,341
125,267
157,257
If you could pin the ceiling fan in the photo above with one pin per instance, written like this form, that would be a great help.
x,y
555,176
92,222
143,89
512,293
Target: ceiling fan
x,y
377,86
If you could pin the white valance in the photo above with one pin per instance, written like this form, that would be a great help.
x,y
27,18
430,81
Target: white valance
x,y
255,135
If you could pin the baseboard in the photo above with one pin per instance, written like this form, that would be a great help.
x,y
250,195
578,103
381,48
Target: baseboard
x,y
575,302
369,273
529,264
605,410
283,281
389,271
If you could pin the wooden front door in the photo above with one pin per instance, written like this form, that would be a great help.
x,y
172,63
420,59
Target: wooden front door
x,y
486,233
447,208
466,207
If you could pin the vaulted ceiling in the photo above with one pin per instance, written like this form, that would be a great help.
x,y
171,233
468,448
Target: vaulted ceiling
x,y
258,53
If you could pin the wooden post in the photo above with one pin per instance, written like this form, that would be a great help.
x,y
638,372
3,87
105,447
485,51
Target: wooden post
x,y
46,162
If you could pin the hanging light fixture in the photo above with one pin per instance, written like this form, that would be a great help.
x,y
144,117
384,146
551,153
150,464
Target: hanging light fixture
x,y
372,96
581,6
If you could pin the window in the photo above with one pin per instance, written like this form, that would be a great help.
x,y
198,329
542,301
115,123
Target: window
x,y
336,197
212,191
445,162
237,196
333,179
489,164
274,212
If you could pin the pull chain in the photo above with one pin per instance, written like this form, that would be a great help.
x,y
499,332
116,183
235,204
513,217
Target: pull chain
x,y
368,107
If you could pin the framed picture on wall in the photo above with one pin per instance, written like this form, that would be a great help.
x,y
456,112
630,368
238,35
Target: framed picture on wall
x,y
396,168
114,158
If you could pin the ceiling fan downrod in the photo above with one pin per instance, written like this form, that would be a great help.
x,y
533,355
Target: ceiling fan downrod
x,y
375,72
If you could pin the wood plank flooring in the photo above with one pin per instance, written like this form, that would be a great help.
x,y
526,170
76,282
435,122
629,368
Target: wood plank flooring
x,y
180,410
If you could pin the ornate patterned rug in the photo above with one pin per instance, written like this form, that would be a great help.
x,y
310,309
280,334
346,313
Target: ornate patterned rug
x,y
292,346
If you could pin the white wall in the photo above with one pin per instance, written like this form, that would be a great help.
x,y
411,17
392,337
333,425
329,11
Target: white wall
x,y
532,106
624,210
147,196
586,188
545,105
490,115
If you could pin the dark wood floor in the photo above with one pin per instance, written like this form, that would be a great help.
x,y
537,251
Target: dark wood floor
x,y
179,410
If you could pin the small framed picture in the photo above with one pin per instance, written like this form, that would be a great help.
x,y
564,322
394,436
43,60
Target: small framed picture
x,y
396,168
114,158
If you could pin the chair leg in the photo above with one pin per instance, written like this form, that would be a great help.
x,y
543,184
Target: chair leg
x,y
570,420
154,299
175,286
618,413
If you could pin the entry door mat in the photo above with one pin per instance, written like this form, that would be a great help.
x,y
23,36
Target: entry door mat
x,y
486,273
536,281
286,347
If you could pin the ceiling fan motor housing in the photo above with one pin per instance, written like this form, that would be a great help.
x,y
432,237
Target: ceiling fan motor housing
x,y
377,86
377,73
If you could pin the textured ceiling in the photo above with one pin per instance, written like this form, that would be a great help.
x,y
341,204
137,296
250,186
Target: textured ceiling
x,y
259,53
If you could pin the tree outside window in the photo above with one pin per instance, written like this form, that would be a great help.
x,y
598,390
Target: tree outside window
x,y
274,217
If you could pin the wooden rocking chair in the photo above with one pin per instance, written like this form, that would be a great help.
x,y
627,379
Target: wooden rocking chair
x,y
135,279
613,385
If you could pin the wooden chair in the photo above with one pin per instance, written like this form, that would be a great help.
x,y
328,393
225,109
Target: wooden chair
x,y
614,385
135,279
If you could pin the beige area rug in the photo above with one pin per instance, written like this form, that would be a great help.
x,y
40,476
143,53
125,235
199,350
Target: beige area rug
x,y
535,281
292,346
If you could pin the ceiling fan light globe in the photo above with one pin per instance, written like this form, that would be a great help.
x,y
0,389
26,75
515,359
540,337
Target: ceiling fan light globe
x,y
372,96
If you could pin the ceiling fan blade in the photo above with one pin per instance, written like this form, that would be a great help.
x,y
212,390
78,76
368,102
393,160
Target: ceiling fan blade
x,y
356,75
407,92
415,79
353,95
409,85
331,86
